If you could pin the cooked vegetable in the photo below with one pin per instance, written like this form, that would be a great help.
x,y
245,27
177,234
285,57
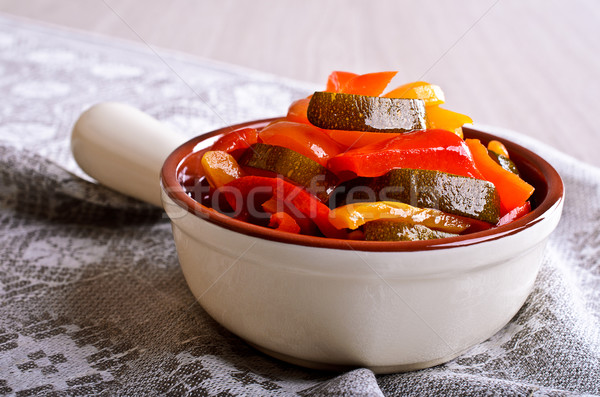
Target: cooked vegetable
x,y
388,230
429,93
504,162
245,193
498,148
371,84
220,168
338,80
236,142
284,223
352,216
513,190
446,120
453,194
438,150
305,139
340,111
391,165
292,165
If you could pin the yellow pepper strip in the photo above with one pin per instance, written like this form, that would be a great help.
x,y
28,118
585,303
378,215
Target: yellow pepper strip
x,y
431,94
220,168
438,118
352,216
498,148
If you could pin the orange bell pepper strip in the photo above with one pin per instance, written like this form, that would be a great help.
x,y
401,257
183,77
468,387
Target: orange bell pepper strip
x,y
352,216
513,190
337,80
446,119
371,84
297,111
284,223
431,94
498,148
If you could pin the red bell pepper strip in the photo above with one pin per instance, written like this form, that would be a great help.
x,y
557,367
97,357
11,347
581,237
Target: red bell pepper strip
x,y
513,190
337,80
307,226
371,84
236,142
305,139
284,223
242,194
357,139
515,214
438,150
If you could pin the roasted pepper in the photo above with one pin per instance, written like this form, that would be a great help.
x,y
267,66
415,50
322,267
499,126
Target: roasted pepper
x,y
352,216
513,190
438,150
236,142
246,193
220,168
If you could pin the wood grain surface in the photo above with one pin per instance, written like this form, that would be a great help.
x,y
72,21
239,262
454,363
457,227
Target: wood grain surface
x,y
532,66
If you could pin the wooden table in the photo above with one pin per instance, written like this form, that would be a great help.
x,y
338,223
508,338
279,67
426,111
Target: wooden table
x,y
529,66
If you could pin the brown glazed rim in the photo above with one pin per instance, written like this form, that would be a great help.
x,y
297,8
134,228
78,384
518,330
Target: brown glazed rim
x,y
549,193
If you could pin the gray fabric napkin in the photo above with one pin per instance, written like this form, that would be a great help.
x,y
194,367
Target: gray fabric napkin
x,y
92,300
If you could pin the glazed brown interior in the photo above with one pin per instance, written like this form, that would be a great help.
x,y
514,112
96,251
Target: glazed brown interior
x,y
548,193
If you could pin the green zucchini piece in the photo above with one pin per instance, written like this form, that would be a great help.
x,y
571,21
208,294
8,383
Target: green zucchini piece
x,y
338,111
453,194
293,166
389,230
504,162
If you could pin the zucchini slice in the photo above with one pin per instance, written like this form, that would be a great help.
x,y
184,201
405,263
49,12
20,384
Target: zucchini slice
x,y
339,111
389,230
453,194
293,166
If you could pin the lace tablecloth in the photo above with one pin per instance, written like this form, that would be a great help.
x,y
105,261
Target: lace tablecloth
x,y
92,300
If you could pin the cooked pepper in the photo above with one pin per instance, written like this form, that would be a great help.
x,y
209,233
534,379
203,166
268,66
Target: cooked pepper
x,y
513,190
305,139
220,168
498,148
438,150
429,93
357,139
515,214
284,223
297,111
236,142
337,80
243,195
352,216
446,120
273,206
371,84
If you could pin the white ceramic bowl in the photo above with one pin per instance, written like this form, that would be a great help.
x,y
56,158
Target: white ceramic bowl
x,y
338,304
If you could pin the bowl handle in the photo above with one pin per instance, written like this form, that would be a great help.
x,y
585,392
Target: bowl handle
x,y
123,149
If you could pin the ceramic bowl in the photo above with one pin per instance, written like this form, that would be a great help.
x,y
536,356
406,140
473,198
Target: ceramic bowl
x,y
332,304
339,304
